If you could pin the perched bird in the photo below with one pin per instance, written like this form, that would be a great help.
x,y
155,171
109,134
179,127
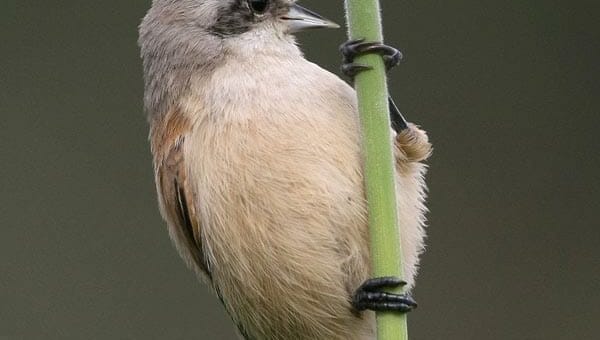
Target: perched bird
x,y
258,164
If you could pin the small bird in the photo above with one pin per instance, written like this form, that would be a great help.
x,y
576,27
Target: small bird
x,y
259,170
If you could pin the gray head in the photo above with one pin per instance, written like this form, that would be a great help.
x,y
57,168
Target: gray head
x,y
179,38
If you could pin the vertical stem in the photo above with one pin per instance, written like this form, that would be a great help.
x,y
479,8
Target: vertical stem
x,y
364,21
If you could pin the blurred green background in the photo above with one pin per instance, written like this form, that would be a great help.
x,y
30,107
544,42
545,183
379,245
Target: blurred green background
x,y
508,90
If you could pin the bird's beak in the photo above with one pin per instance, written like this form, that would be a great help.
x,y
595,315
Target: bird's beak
x,y
301,19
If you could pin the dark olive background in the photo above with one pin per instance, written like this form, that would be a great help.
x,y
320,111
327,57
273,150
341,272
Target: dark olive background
x,y
508,91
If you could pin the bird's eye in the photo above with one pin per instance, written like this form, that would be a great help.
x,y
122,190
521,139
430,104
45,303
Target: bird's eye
x,y
258,6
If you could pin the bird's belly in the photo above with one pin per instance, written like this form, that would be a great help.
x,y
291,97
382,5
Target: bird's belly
x,y
284,223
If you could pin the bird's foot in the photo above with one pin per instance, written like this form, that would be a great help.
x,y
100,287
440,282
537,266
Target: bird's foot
x,y
354,48
370,296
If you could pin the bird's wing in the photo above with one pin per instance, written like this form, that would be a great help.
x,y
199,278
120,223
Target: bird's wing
x,y
175,192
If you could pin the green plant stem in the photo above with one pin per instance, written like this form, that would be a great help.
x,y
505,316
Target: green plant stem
x,y
364,21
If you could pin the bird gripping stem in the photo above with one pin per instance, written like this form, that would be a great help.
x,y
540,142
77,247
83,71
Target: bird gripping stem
x,y
364,21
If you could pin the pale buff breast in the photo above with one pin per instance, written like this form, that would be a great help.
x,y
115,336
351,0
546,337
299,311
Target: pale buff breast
x,y
278,187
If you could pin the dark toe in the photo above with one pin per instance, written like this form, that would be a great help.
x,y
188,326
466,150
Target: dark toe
x,y
369,296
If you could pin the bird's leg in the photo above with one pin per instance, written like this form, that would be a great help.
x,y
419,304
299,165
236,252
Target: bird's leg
x,y
410,140
354,48
391,57
399,123
370,295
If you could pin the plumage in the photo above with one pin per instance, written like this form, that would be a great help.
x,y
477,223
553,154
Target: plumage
x,y
258,164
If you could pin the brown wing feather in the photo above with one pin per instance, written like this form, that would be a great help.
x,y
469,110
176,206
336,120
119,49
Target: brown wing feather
x,y
174,190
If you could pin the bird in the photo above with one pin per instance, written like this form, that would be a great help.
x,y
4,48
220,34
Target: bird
x,y
258,165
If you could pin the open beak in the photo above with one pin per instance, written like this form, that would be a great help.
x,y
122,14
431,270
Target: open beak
x,y
301,19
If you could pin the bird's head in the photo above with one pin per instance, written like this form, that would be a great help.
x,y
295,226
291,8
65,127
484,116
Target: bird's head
x,y
183,37
277,17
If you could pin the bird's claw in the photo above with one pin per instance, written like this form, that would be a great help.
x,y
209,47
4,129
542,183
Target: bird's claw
x,y
369,296
354,48
352,69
